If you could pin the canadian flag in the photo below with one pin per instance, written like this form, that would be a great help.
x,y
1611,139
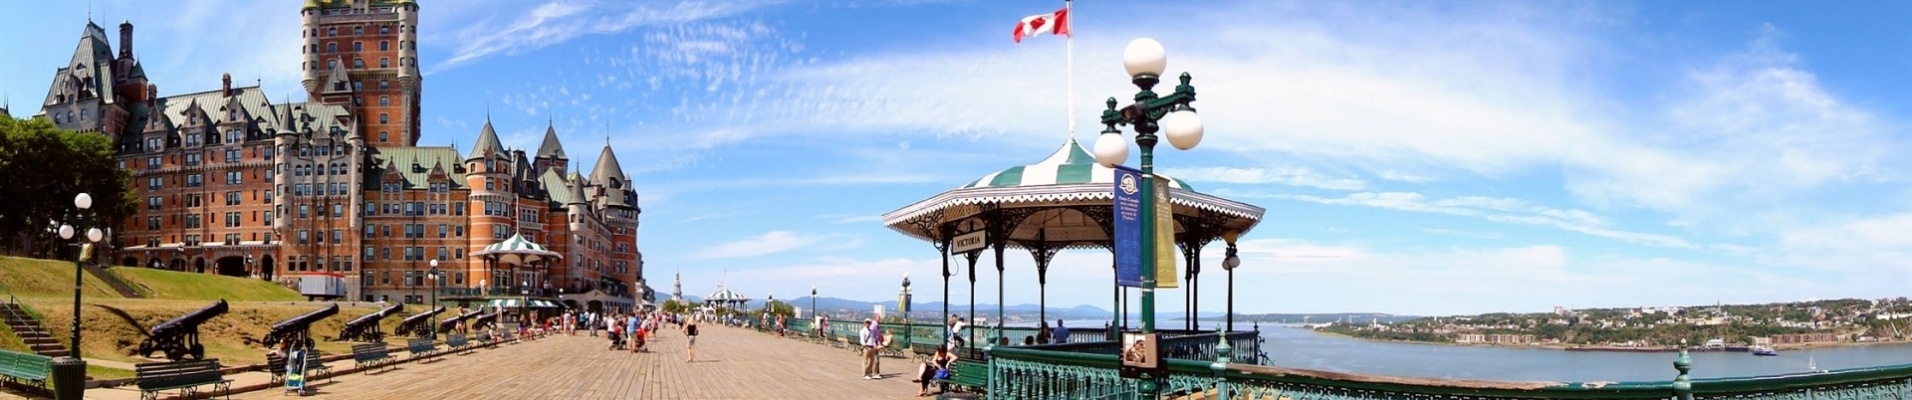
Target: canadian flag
x,y
1052,23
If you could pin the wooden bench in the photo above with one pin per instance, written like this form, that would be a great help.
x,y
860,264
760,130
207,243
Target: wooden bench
x,y
456,343
25,368
922,352
315,365
371,354
185,376
421,347
966,375
484,338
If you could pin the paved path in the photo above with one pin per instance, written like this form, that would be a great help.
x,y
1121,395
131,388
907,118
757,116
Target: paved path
x,y
731,364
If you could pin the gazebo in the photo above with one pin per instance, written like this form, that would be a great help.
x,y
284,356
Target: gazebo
x,y
516,251
1064,201
724,297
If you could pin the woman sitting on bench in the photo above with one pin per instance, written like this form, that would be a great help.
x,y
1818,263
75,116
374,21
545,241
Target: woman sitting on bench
x,y
935,369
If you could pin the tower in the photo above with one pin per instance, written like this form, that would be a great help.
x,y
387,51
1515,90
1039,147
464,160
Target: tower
x,y
372,47
677,287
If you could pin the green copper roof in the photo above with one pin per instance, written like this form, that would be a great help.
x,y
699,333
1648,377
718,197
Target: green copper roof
x,y
1068,165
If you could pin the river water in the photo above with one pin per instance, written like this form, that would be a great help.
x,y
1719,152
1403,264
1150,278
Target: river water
x,y
1301,348
1294,347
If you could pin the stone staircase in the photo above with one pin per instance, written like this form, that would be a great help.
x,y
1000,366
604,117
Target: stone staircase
x,y
112,281
30,331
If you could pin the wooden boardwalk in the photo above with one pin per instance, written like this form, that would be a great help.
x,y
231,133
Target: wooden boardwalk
x,y
731,364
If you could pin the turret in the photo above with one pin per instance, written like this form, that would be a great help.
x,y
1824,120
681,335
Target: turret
x,y
309,48
407,41
126,39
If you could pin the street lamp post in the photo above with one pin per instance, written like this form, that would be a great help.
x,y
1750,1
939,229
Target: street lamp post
x,y
1229,263
903,307
1144,59
431,330
69,373
813,310
524,308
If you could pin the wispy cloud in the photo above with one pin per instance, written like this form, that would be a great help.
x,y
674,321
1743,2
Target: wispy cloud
x,y
1505,210
562,20
768,243
1281,176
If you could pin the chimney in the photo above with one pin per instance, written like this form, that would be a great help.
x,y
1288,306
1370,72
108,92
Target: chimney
x,y
225,85
126,39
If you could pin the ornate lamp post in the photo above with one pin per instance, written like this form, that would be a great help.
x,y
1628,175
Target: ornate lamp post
x,y
69,373
1229,263
813,305
524,308
431,330
903,307
1144,59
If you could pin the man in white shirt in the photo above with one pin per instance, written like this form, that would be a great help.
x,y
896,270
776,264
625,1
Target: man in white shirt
x,y
871,338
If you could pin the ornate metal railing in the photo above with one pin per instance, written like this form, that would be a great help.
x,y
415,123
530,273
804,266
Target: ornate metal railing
x,y
1048,372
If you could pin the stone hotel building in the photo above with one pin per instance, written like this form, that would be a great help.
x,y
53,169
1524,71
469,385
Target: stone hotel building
x,y
230,182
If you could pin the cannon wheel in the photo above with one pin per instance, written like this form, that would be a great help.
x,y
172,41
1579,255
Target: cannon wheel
x,y
175,354
199,351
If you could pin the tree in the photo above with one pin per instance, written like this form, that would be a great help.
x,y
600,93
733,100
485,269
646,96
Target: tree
x,y
676,307
45,167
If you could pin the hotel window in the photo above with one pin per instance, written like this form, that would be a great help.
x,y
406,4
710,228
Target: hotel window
x,y
385,254
358,30
358,46
384,100
154,202
458,254
384,30
384,84
382,136
358,64
458,231
329,32
442,231
384,62
304,236
384,46
152,223
331,48
233,177
384,118
232,198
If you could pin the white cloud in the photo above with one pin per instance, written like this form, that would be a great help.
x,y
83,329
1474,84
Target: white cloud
x,y
562,20
1504,210
768,243
1282,176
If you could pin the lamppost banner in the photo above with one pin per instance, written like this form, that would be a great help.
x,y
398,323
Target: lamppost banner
x,y
1128,226
1164,240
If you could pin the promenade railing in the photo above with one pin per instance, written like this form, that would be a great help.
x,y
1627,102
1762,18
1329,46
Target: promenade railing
x,y
1057,372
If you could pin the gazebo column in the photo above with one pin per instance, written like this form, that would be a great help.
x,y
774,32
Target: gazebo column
x,y
1192,254
972,256
943,252
1043,253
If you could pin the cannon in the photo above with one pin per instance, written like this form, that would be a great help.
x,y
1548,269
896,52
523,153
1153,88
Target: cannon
x,y
365,328
179,337
415,324
295,330
449,323
486,320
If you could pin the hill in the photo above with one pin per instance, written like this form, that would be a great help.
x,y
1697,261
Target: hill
x,y
29,277
163,284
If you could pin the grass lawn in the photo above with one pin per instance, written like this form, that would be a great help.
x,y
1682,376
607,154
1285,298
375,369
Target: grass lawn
x,y
163,284
115,327
28,277
98,372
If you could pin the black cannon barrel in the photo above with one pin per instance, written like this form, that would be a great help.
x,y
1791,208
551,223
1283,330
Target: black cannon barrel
x,y
452,322
415,325
307,319
375,316
190,321
487,319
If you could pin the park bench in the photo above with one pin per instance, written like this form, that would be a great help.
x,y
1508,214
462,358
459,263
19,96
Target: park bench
x,y
456,342
923,351
371,354
484,339
185,376
421,347
315,365
508,337
966,375
25,368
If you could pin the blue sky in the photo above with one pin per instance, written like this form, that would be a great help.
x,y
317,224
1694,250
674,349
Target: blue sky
x,y
1414,157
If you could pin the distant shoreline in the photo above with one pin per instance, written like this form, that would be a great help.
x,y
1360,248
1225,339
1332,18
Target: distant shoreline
x,y
1601,349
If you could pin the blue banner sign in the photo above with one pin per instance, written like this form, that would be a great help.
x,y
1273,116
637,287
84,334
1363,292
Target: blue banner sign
x,y
1128,226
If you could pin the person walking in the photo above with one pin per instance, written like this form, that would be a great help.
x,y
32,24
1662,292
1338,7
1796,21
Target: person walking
x,y
870,338
631,328
690,340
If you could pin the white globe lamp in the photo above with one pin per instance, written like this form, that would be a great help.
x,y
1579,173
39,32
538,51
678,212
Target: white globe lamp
x,y
94,235
66,231
1144,57
1111,150
1184,129
83,201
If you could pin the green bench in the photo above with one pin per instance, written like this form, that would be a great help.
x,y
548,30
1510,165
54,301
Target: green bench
x,y
421,347
26,368
966,375
185,376
371,355
456,343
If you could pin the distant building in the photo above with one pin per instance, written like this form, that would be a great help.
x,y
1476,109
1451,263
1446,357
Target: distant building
x,y
1799,338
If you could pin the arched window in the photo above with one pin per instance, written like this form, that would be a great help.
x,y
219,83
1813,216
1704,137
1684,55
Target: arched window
x,y
331,32
331,47
358,30
359,63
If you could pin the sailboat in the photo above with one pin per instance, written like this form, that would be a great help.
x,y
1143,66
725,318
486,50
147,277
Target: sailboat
x,y
1812,366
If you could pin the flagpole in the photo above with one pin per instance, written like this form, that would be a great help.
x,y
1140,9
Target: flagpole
x,y
1070,38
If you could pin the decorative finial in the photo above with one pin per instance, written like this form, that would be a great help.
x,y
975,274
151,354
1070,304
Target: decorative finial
x,y
1682,386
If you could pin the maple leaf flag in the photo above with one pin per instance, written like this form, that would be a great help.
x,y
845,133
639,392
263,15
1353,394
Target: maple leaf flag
x,y
1052,23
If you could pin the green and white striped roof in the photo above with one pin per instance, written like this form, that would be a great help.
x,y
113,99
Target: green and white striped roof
x,y
725,295
517,249
1068,165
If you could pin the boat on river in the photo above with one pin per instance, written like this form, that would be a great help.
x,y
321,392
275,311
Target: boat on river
x,y
1764,351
